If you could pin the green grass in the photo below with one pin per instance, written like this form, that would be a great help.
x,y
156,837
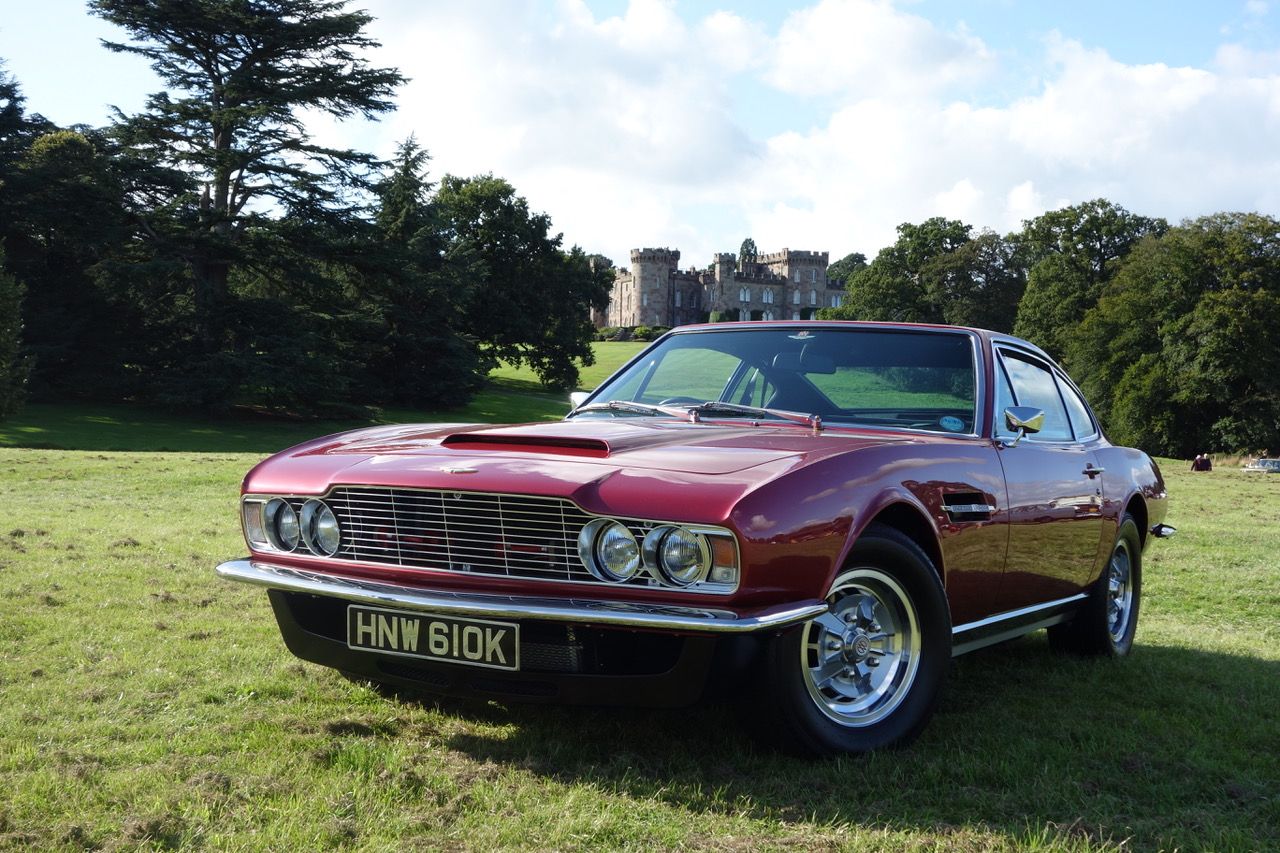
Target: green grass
x,y
512,396
147,704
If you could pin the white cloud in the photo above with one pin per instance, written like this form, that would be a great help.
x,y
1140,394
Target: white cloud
x,y
633,130
866,48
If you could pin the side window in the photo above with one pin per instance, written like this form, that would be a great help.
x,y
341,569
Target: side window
x,y
1034,385
1081,423
752,389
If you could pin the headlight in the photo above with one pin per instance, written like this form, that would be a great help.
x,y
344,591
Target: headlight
x,y
320,528
684,557
609,550
282,525
681,556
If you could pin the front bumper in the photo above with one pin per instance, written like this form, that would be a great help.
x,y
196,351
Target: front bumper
x,y
619,614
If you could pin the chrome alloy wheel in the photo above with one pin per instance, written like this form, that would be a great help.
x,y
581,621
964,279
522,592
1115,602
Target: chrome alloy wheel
x,y
1119,592
860,658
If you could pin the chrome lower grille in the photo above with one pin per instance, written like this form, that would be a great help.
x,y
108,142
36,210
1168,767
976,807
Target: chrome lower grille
x,y
511,535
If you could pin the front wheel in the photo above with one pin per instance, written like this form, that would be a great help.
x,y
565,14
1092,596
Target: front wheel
x,y
865,674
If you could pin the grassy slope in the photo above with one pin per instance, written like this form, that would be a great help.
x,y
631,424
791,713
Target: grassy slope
x,y
513,396
146,703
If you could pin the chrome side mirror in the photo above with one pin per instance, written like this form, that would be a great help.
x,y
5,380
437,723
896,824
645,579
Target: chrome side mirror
x,y
1023,420
577,398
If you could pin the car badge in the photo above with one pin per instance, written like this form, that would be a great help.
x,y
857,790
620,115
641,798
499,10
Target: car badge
x,y
458,469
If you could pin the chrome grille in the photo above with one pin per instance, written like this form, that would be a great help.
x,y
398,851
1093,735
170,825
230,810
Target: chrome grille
x,y
513,535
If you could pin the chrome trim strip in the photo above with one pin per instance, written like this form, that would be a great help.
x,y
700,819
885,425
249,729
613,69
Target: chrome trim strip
x,y
1006,626
1015,614
965,509
612,613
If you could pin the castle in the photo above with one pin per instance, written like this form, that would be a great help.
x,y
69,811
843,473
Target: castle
x,y
786,285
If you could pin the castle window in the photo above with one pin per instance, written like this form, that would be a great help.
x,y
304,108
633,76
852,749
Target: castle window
x,y
644,299
813,297
744,295
795,315
795,298
768,297
677,299
768,315
836,300
813,275
797,275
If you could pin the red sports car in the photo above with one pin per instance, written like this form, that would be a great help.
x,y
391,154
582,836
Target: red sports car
x,y
810,516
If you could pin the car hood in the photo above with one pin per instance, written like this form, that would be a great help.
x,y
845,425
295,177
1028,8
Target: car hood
x,y
615,465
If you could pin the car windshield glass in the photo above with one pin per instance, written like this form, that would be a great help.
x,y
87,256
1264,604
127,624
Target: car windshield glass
x,y
866,377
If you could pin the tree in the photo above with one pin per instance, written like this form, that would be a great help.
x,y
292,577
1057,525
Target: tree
x,y
247,71
895,285
13,367
1070,255
415,294
747,254
978,284
844,269
1163,355
525,300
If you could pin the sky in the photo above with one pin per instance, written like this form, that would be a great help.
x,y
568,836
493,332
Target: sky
x,y
819,125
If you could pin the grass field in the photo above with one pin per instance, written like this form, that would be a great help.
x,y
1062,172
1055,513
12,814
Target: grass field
x,y
147,704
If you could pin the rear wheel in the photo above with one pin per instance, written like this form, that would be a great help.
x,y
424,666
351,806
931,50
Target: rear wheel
x,y
865,674
1108,620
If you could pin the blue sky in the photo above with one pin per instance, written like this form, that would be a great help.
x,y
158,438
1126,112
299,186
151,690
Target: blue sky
x,y
818,125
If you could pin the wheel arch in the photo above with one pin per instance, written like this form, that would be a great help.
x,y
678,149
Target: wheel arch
x,y
1137,507
912,522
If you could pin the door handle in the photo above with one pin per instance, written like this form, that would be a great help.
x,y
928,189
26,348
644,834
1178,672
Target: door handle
x,y
1091,472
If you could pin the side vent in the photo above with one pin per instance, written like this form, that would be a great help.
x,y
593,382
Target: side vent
x,y
967,506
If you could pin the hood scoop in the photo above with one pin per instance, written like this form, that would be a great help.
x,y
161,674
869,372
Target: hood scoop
x,y
526,443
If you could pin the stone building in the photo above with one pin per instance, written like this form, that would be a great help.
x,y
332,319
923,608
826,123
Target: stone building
x,y
786,285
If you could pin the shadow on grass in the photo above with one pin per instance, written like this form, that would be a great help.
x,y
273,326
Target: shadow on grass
x,y
1171,747
77,426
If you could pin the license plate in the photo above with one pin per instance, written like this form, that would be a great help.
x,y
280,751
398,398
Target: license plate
x,y
474,642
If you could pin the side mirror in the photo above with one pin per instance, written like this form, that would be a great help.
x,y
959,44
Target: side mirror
x,y
1023,420
577,398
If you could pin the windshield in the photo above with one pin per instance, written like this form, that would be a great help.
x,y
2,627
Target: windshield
x,y
865,377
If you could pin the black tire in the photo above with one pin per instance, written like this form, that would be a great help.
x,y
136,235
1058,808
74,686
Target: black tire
x,y
822,695
1107,621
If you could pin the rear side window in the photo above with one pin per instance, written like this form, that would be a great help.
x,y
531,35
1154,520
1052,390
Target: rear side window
x,y
1034,385
1081,423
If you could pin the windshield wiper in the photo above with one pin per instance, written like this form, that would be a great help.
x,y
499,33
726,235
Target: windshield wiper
x,y
635,408
813,421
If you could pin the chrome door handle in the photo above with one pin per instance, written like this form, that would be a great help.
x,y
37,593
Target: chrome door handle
x,y
1091,472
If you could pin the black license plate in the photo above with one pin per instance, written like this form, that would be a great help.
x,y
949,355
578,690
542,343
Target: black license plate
x,y
474,642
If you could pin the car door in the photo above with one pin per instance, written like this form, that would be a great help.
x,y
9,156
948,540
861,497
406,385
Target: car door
x,y
1054,486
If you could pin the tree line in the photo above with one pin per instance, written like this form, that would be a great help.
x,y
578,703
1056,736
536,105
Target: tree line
x,y
207,253
1172,332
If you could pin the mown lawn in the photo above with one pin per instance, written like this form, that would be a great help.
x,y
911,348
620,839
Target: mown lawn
x,y
147,704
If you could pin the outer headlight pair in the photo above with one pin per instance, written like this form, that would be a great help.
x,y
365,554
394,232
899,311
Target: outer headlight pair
x,y
279,525
676,556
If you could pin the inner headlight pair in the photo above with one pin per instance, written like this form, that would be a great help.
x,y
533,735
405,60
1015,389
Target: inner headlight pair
x,y
285,528
676,556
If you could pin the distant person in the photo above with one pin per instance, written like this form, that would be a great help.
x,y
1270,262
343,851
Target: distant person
x,y
1206,464
1197,464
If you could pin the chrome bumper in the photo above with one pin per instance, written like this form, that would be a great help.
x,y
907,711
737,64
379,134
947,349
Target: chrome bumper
x,y
623,614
